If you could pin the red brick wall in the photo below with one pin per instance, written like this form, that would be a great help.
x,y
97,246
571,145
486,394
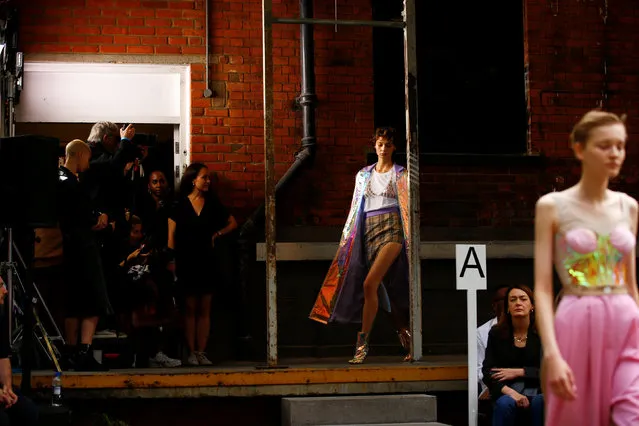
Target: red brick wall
x,y
567,47
230,139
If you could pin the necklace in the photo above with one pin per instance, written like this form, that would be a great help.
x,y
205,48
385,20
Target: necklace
x,y
520,339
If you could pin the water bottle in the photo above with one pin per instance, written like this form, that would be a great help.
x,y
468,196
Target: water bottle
x,y
56,386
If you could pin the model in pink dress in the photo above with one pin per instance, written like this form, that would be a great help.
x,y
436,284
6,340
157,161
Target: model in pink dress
x,y
591,343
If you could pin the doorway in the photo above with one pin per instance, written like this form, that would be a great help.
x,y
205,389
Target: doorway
x,y
160,139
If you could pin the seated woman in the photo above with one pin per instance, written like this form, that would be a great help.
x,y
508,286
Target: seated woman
x,y
149,298
513,358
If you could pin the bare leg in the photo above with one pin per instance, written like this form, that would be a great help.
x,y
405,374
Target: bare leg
x,y
71,331
398,319
378,270
203,322
189,323
87,331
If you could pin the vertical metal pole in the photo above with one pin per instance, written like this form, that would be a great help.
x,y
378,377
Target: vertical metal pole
x,y
471,309
269,178
9,282
412,154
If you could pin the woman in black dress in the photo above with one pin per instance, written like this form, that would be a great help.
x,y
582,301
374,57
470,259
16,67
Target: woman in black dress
x,y
198,219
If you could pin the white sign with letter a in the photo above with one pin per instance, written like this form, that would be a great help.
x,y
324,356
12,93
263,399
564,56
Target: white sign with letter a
x,y
470,271
471,266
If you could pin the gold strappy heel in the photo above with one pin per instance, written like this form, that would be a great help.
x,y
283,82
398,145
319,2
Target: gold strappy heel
x,y
405,339
361,349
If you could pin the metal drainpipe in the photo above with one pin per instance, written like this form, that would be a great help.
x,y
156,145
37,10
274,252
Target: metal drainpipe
x,y
308,101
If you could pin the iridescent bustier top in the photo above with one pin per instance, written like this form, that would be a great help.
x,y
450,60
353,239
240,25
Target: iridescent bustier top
x,y
591,247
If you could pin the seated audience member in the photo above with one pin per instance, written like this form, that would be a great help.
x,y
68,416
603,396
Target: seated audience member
x,y
150,300
153,207
15,409
482,336
512,362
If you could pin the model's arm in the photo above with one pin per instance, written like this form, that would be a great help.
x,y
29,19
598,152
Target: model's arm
x,y
559,373
631,264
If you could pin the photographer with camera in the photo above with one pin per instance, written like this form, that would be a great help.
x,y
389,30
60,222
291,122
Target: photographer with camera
x,y
112,149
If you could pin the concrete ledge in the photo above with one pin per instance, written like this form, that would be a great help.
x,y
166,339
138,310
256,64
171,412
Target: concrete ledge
x,y
399,424
323,376
357,410
304,251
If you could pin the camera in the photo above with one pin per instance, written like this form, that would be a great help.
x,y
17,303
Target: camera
x,y
141,143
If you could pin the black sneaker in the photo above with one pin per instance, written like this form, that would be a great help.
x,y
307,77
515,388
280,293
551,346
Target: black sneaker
x,y
84,360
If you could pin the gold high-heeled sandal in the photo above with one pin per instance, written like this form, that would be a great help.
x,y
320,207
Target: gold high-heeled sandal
x,y
405,339
361,349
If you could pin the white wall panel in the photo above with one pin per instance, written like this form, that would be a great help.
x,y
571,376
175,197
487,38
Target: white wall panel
x,y
85,93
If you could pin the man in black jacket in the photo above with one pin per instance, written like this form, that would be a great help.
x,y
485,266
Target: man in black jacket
x,y
111,150
86,295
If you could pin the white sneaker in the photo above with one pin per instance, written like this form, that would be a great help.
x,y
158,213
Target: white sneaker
x,y
202,359
105,334
192,359
162,360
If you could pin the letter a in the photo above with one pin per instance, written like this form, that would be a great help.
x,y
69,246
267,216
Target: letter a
x,y
477,265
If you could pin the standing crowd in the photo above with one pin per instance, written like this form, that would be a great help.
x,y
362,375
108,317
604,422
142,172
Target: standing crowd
x,y
131,256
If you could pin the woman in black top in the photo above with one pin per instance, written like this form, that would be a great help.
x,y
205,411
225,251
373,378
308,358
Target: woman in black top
x,y
512,361
198,219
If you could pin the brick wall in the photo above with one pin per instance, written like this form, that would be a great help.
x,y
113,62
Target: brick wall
x,y
579,55
569,45
229,139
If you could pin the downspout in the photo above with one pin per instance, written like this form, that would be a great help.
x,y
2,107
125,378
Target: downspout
x,y
308,101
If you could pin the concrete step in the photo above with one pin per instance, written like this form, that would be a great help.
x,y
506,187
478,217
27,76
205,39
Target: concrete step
x,y
396,424
359,410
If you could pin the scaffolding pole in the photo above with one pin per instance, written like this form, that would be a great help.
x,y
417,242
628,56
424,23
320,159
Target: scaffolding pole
x,y
412,151
412,160
269,181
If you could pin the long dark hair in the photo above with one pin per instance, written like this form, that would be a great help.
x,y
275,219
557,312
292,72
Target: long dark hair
x,y
190,174
505,323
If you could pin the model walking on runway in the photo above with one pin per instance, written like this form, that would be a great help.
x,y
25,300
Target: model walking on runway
x,y
370,269
591,346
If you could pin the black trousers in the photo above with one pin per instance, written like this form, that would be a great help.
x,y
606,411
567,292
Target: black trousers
x,y
22,413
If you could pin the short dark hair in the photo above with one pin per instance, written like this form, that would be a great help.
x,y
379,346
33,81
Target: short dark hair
x,y
387,133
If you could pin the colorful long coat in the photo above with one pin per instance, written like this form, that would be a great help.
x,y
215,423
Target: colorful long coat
x,y
341,297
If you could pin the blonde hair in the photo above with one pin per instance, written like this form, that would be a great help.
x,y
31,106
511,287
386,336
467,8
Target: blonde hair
x,y
102,129
590,121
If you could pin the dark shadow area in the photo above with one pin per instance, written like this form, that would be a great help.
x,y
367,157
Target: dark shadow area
x,y
470,73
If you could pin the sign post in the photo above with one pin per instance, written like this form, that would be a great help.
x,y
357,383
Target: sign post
x,y
470,263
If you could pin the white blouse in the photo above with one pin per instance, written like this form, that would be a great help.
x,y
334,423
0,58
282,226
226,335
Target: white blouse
x,y
381,191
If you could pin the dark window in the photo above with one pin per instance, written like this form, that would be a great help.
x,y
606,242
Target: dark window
x,y
470,75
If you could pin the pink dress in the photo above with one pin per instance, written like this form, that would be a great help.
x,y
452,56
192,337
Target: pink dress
x,y
598,335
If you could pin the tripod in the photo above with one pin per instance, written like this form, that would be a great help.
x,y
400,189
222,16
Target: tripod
x,y
29,293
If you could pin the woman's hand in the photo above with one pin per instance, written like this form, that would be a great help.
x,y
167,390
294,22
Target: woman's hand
x,y
560,378
137,253
215,237
521,400
504,374
103,221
